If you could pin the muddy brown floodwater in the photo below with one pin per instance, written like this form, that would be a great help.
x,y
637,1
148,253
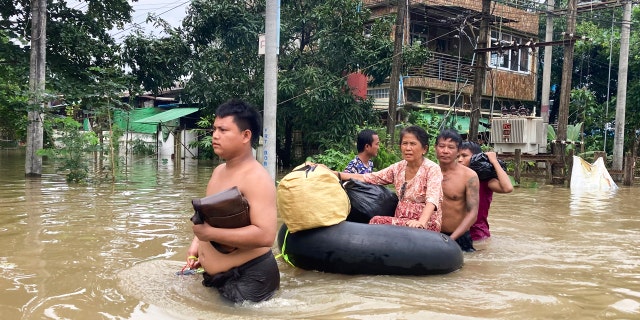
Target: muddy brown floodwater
x,y
111,251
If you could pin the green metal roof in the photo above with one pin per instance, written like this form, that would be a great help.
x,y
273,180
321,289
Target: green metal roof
x,y
168,115
127,119
461,123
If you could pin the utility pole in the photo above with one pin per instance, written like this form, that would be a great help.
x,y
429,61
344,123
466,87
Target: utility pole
x,y
396,66
565,95
546,73
272,21
546,69
621,97
479,74
37,68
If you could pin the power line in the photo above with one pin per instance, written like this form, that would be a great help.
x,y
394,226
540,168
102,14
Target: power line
x,y
135,24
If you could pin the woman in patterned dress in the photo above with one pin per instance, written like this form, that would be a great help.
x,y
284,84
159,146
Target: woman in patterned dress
x,y
418,182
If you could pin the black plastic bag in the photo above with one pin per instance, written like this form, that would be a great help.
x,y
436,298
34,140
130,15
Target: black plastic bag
x,y
369,200
485,170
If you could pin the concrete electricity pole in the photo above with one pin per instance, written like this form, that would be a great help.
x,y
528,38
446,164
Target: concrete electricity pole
x,y
621,97
396,66
37,68
546,69
479,74
272,20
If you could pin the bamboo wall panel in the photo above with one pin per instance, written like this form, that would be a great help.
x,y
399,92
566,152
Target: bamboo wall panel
x,y
525,21
512,85
437,85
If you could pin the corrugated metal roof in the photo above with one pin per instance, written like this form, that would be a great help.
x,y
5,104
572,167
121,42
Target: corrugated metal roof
x,y
126,120
168,115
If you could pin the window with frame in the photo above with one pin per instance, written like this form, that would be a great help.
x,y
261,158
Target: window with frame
x,y
437,98
381,93
517,60
414,95
443,99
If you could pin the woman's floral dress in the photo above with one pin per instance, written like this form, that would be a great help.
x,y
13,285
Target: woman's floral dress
x,y
413,194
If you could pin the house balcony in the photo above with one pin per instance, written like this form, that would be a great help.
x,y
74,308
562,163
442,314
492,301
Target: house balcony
x,y
448,29
442,72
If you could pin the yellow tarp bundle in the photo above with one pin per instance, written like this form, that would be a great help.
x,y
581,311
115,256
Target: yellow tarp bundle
x,y
311,197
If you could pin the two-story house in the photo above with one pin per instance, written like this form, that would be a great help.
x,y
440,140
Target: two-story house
x,y
450,30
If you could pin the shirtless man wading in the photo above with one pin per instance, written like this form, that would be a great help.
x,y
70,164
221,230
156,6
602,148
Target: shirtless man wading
x,y
250,272
460,190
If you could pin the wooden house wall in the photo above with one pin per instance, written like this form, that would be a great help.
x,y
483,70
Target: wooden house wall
x,y
511,85
437,85
508,84
526,22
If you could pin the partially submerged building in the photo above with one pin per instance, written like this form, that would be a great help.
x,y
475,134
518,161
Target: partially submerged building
x,y
161,125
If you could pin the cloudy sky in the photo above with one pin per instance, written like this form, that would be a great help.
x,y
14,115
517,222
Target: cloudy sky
x,y
171,11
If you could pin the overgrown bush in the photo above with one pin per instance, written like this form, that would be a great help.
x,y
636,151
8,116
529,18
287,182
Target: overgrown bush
x,y
70,147
205,149
141,147
336,159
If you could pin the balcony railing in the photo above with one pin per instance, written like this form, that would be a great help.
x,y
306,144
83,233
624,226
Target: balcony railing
x,y
446,68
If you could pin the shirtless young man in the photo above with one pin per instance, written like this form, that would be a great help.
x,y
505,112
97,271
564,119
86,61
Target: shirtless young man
x,y
460,190
250,272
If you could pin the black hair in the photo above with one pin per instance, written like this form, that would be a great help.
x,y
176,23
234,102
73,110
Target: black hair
x,y
450,134
417,131
245,116
365,137
471,146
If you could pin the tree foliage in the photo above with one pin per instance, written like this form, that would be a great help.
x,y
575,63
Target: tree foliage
x,y
13,100
595,76
223,37
78,44
77,36
156,64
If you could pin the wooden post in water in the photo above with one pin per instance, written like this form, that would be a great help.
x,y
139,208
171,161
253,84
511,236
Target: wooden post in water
x,y
569,166
629,164
517,158
600,154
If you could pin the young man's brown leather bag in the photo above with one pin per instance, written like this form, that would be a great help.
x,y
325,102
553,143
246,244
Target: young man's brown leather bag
x,y
226,209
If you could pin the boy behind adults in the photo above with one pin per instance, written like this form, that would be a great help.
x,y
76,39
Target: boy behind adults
x,y
249,272
501,184
368,145
459,189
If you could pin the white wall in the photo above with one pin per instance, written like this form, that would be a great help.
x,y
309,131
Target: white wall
x,y
166,148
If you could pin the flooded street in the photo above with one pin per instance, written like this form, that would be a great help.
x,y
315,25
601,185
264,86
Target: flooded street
x,y
111,252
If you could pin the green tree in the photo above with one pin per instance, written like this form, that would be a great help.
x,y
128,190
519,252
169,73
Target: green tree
x,y
592,69
13,85
78,41
77,36
156,64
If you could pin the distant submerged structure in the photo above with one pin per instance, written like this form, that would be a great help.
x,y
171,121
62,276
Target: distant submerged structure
x,y
591,177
